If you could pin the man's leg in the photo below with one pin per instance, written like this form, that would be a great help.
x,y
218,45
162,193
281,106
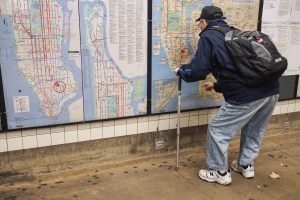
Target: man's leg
x,y
252,133
228,121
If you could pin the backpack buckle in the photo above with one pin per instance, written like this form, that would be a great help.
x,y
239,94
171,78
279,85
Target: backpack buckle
x,y
260,40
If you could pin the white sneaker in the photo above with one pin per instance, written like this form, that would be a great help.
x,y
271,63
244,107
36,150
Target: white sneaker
x,y
215,176
247,173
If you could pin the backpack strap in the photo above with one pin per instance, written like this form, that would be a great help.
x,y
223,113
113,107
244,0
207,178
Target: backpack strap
x,y
224,72
221,29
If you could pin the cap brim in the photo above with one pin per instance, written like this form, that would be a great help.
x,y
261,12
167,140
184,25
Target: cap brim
x,y
216,18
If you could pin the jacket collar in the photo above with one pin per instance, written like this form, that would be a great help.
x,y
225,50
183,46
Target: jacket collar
x,y
216,22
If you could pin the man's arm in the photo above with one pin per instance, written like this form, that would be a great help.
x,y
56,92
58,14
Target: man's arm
x,y
199,67
217,88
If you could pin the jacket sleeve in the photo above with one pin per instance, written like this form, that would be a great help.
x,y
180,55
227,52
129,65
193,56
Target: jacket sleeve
x,y
217,87
199,67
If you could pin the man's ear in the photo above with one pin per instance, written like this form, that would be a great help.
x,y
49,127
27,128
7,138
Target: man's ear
x,y
205,23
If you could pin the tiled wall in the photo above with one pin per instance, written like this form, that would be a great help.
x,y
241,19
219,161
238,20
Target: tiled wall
x,y
33,138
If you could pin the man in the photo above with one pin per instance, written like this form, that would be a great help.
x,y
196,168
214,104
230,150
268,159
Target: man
x,y
246,108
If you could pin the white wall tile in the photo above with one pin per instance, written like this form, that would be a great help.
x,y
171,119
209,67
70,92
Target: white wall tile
x,y
57,129
154,118
71,136
44,140
3,145
96,124
14,144
120,130
131,120
153,125
173,115
292,101
96,133
13,134
143,119
291,107
203,112
84,135
164,116
84,126
29,142
132,128
173,123
194,120
212,110
2,136
73,127
57,138
210,117
43,131
163,124
194,113
108,123
143,127
29,132
184,114
276,110
120,122
203,119
284,108
184,122
297,107
108,131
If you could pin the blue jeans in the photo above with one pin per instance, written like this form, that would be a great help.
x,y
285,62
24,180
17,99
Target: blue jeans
x,y
251,118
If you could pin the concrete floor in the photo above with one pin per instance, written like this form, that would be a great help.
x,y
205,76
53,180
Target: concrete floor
x,y
155,178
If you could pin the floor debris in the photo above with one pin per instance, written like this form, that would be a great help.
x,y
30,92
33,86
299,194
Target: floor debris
x,y
274,175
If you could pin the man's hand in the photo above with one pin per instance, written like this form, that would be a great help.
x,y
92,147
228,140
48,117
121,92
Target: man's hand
x,y
208,85
176,71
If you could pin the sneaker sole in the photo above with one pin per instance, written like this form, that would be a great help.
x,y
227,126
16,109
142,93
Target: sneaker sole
x,y
248,177
212,181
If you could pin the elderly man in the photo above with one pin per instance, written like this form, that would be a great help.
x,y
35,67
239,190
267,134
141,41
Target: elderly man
x,y
246,108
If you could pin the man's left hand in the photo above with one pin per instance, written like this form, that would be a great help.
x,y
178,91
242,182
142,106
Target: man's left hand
x,y
208,85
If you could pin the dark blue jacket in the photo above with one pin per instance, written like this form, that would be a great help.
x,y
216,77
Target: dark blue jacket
x,y
212,56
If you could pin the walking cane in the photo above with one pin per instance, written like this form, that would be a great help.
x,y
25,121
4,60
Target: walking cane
x,y
178,123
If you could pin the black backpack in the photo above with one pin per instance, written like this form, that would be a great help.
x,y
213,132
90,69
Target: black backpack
x,y
255,56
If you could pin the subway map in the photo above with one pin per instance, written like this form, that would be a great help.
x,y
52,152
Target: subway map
x,y
174,42
113,87
61,62
40,64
